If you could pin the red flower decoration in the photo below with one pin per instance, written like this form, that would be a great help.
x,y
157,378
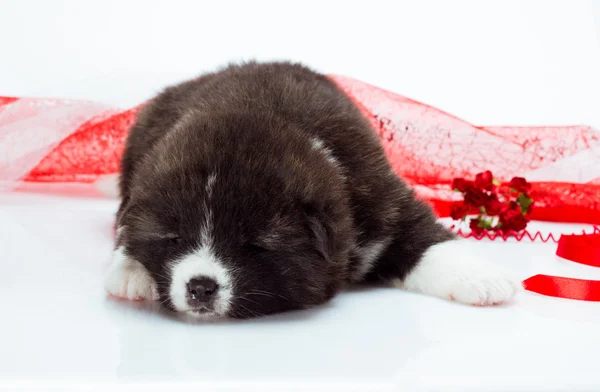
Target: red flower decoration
x,y
513,219
484,180
512,205
461,185
519,184
493,206
458,211
474,226
501,206
475,197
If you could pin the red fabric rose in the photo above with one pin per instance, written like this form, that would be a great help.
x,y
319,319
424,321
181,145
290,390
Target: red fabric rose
x,y
519,184
461,185
484,180
518,223
508,201
458,211
512,205
474,226
475,197
493,206
513,219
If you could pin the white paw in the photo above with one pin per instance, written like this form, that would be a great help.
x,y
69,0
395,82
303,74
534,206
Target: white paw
x,y
128,279
450,270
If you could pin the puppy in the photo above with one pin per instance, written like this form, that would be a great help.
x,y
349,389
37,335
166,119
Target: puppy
x,y
260,188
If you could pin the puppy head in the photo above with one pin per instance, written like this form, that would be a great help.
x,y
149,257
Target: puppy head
x,y
237,236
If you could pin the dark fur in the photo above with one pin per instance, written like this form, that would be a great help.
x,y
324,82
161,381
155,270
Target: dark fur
x,y
284,217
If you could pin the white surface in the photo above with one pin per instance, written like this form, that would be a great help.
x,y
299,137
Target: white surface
x,y
492,62
59,327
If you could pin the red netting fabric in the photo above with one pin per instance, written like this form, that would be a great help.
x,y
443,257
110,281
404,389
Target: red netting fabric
x,y
429,148
49,140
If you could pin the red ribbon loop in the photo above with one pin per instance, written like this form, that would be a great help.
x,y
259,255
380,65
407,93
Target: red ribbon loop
x,y
583,249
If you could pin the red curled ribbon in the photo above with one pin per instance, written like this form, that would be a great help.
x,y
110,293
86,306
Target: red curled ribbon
x,y
583,249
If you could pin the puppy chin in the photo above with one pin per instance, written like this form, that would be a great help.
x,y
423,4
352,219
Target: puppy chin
x,y
204,315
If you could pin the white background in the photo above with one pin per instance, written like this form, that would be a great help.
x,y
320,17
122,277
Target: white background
x,y
489,62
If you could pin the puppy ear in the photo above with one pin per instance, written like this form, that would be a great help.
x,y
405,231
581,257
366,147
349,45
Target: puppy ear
x,y
321,228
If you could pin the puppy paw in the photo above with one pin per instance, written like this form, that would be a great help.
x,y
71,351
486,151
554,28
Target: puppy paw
x,y
128,279
450,270
484,289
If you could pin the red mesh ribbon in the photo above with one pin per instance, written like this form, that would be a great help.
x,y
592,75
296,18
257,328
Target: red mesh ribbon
x,y
429,148
48,140
584,249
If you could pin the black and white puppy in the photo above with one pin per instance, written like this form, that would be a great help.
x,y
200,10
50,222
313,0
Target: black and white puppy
x,y
261,188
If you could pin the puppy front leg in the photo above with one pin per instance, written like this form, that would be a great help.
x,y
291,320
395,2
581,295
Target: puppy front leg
x,y
426,257
450,270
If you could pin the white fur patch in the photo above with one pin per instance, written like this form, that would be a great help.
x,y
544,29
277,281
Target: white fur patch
x,y
318,145
128,279
206,229
201,263
210,183
368,255
452,271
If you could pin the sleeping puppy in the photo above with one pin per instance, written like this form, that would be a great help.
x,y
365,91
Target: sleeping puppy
x,y
260,189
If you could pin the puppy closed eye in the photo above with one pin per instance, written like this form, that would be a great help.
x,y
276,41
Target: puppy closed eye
x,y
171,239
256,247
175,241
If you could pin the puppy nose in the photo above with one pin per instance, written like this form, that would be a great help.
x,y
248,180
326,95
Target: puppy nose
x,y
202,289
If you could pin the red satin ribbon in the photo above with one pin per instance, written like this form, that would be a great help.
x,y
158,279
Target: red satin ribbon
x,y
583,249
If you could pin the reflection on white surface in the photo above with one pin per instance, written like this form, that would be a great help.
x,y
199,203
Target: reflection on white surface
x,y
59,326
